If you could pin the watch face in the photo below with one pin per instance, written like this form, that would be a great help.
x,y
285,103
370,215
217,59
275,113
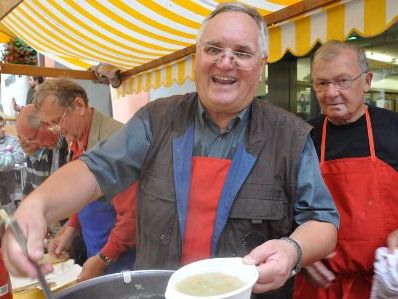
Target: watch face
x,y
104,258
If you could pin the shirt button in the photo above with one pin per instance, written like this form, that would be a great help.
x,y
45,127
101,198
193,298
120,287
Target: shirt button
x,y
218,139
162,237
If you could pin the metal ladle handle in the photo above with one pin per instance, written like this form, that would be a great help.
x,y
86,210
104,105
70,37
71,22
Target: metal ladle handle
x,y
20,237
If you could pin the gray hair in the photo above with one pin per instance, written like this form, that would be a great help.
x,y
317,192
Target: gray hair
x,y
240,7
331,49
65,91
33,119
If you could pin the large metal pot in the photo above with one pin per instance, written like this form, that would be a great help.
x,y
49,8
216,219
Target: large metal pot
x,y
148,284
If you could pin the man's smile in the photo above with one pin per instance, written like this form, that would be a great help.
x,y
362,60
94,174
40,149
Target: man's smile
x,y
219,79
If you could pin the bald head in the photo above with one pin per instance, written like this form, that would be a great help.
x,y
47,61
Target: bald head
x,y
32,133
28,121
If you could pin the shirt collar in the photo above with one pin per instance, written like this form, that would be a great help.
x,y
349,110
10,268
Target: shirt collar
x,y
74,147
78,151
203,116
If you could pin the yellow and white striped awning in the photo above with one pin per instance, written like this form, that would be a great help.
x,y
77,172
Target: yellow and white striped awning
x,y
5,35
130,33
298,36
124,33
336,21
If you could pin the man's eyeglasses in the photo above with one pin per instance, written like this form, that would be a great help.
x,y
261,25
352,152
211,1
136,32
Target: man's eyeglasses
x,y
56,128
239,59
344,83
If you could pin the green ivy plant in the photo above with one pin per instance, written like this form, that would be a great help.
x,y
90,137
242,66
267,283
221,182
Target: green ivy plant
x,y
16,51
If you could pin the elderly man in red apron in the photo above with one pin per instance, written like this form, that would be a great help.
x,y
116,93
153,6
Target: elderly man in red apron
x,y
358,147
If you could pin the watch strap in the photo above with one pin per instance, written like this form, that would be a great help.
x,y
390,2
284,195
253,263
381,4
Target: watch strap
x,y
296,245
107,260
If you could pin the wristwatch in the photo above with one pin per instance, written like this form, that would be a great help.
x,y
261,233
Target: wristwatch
x,y
296,245
107,260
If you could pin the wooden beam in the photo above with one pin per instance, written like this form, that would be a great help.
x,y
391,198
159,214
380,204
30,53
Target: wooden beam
x,y
31,70
272,18
7,118
295,10
7,6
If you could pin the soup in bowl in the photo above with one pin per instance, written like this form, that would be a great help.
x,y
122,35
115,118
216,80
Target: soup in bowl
x,y
218,278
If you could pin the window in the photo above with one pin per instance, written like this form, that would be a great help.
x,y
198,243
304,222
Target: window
x,y
382,54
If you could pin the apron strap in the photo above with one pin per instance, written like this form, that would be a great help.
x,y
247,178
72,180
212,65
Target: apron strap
x,y
370,137
323,141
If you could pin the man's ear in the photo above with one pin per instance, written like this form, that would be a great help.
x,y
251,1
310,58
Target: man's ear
x,y
79,103
368,81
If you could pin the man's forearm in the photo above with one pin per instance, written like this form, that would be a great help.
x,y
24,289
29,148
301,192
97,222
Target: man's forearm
x,y
317,239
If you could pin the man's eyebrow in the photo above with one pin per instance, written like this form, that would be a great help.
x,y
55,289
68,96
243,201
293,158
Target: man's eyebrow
x,y
212,42
239,47
337,77
244,48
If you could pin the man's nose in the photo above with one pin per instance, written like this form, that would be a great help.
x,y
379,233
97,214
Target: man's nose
x,y
226,60
331,89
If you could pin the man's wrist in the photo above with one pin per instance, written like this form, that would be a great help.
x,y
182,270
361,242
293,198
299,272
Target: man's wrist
x,y
107,260
299,253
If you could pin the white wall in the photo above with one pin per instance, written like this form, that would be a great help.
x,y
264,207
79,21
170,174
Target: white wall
x,y
124,107
13,86
99,95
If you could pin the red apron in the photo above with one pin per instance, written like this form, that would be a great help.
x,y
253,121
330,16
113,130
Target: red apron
x,y
365,192
207,180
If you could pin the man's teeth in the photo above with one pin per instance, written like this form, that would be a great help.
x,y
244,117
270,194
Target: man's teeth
x,y
223,78
218,79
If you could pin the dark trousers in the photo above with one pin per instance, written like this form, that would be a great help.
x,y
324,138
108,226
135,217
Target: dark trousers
x,y
7,186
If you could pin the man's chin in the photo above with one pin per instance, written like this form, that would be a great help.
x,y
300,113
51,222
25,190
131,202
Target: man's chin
x,y
334,110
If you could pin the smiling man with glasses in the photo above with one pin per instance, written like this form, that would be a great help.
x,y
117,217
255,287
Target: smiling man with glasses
x,y
357,147
221,173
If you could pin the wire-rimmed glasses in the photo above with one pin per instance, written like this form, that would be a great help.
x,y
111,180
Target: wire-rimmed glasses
x,y
56,128
339,84
239,59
